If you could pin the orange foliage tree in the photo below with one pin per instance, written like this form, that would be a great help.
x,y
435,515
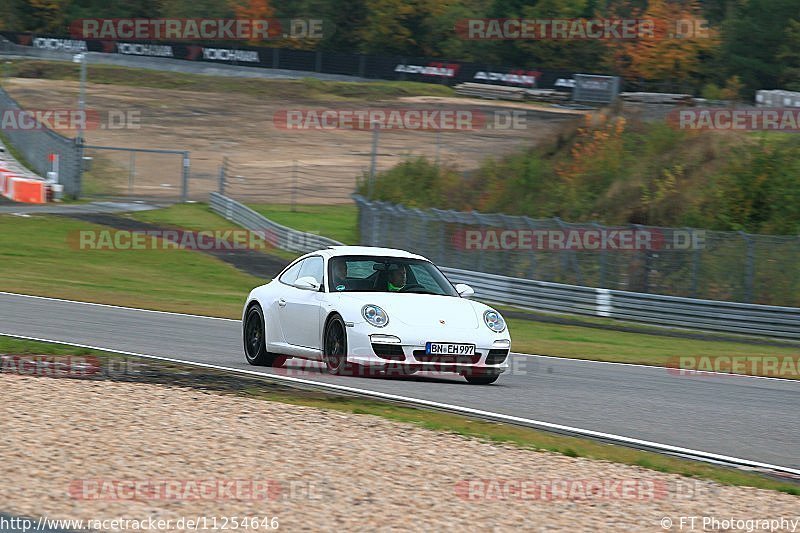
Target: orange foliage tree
x,y
671,47
253,10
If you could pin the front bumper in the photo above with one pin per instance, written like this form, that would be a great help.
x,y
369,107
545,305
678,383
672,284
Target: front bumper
x,y
491,349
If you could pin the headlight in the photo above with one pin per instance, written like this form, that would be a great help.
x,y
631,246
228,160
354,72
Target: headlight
x,y
494,321
375,315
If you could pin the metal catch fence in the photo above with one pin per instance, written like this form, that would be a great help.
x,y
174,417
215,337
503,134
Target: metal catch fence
x,y
714,265
42,148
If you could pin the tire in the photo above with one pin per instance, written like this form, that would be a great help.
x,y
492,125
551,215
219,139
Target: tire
x,y
254,339
335,348
481,379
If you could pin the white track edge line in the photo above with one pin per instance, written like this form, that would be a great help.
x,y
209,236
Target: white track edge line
x,y
453,408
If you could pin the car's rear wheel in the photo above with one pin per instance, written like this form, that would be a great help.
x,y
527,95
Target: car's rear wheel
x,y
481,378
335,348
255,345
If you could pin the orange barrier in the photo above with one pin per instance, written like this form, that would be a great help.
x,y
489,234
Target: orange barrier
x,y
5,175
26,190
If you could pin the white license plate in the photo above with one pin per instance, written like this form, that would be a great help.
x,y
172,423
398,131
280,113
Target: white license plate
x,y
448,348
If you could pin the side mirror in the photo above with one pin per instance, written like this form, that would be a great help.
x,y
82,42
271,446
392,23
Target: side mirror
x,y
307,283
464,290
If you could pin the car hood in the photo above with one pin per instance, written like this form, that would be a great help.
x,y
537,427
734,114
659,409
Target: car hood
x,y
421,310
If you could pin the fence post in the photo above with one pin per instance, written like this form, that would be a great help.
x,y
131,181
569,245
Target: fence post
x,y
185,179
373,162
294,184
695,267
132,173
222,170
603,259
361,65
749,267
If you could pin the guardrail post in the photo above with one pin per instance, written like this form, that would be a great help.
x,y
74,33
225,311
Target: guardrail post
x,y
604,304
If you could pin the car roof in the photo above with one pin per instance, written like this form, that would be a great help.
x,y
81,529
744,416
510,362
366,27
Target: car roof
x,y
335,251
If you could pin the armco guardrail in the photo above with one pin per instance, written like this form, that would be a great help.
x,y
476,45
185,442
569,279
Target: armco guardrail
x,y
689,313
279,236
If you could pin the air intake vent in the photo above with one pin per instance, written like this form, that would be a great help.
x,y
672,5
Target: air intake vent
x,y
392,352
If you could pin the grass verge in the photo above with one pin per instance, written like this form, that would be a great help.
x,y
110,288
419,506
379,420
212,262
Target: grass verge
x,y
525,438
338,222
307,88
40,255
626,347
197,217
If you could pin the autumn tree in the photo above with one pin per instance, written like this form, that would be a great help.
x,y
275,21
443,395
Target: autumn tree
x,y
671,44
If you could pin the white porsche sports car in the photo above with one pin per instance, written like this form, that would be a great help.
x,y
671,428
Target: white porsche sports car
x,y
363,309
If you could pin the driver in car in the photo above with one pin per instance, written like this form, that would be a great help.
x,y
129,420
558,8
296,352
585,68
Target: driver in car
x,y
339,278
397,278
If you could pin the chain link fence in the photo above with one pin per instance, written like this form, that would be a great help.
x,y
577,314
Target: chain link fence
x,y
38,146
714,265
289,182
144,173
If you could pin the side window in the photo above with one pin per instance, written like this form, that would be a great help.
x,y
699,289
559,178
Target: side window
x,y
291,275
312,266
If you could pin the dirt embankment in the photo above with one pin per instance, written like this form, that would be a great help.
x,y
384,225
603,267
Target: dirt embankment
x,y
261,152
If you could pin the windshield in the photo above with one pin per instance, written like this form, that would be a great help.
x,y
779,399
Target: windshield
x,y
386,274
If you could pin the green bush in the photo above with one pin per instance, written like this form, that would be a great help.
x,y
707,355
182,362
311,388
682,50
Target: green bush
x,y
622,173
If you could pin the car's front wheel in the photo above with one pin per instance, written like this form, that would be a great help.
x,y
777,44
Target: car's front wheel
x,y
335,348
255,345
481,378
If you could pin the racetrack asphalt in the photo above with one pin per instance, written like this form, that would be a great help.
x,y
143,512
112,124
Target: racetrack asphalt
x,y
745,417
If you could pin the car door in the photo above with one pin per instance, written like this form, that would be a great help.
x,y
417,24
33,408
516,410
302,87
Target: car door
x,y
272,311
300,309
